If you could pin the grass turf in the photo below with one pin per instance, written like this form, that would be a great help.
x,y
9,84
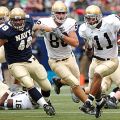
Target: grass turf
x,y
66,109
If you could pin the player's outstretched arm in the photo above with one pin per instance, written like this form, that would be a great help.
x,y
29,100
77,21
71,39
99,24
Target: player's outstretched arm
x,y
41,27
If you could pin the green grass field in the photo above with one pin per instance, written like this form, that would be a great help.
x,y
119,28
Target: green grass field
x,y
66,109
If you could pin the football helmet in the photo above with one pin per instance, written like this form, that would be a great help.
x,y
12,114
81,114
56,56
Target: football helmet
x,y
93,16
4,14
17,18
59,12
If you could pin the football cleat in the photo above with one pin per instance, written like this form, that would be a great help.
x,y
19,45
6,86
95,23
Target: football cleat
x,y
88,108
49,110
50,104
111,103
57,85
75,98
107,97
99,107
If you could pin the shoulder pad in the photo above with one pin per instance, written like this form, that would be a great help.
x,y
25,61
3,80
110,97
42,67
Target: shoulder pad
x,y
29,19
69,24
4,31
45,21
70,21
111,18
82,27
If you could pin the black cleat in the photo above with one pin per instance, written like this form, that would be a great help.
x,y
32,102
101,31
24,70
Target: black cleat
x,y
57,84
111,103
107,97
50,104
99,107
75,98
88,108
49,110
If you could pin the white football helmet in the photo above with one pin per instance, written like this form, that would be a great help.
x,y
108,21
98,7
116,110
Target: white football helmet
x,y
17,18
93,16
4,14
59,12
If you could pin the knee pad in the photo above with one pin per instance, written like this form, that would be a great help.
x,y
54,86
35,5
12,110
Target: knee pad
x,y
44,84
71,81
27,81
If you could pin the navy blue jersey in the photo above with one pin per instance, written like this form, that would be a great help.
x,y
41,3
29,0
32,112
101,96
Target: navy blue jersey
x,y
18,47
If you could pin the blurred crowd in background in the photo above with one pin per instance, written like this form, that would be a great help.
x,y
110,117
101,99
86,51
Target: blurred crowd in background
x,y
76,6
76,9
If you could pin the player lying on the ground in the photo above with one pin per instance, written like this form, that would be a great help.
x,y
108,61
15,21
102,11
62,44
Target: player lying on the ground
x,y
15,100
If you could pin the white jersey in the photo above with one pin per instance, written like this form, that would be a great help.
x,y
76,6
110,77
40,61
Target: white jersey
x,y
21,100
56,48
103,39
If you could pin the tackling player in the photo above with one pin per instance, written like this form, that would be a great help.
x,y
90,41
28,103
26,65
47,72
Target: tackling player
x,y
14,100
16,36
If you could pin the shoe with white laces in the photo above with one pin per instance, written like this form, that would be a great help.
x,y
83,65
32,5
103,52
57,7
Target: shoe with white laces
x,y
88,108
50,104
57,85
49,110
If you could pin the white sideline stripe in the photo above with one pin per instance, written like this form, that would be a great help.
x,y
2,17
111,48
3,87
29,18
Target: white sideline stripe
x,y
38,116
9,112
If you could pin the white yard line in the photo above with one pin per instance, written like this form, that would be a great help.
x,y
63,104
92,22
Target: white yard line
x,y
9,112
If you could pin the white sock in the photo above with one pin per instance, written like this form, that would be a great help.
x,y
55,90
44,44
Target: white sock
x,y
42,101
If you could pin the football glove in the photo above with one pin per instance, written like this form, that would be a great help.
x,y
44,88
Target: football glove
x,y
57,32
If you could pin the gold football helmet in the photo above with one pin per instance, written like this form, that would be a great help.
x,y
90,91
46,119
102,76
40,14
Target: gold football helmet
x,y
93,16
59,12
17,18
4,14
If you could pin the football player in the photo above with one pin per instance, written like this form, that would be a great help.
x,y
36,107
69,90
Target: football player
x,y
14,100
16,36
58,44
101,35
4,13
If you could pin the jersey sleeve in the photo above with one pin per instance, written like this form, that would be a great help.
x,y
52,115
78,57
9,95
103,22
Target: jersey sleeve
x,y
70,25
3,31
43,21
114,21
29,19
74,27
117,23
38,22
81,31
